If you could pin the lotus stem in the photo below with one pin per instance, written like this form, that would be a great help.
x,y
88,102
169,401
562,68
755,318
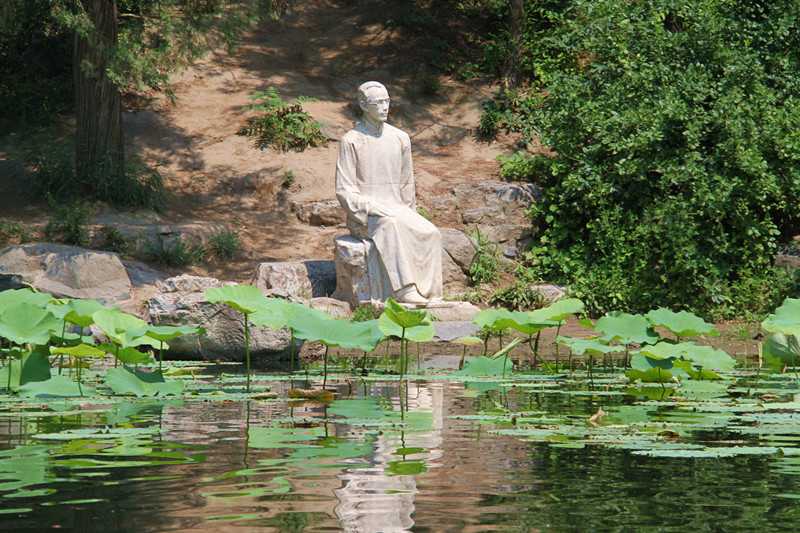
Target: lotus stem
x,y
325,367
247,351
558,330
463,356
160,354
80,389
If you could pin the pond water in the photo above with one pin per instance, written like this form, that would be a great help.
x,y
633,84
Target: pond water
x,y
430,453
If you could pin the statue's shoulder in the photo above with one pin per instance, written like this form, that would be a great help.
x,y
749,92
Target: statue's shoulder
x,y
388,129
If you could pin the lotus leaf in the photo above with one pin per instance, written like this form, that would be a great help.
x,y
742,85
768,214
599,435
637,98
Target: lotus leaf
x,y
682,324
651,369
122,328
590,346
623,327
244,298
557,311
124,380
786,318
524,322
13,297
702,356
405,318
128,355
81,350
35,367
167,333
362,335
467,340
781,350
77,312
423,331
490,318
27,323
55,387
486,366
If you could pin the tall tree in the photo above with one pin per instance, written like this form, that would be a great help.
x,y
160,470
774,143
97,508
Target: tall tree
x,y
98,102
130,44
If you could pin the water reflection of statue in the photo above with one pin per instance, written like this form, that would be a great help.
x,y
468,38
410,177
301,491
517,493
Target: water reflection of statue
x,y
375,185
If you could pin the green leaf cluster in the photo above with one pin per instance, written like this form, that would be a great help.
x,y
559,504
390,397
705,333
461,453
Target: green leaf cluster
x,y
672,172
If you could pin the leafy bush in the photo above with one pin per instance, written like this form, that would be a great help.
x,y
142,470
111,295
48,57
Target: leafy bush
x,y
283,125
223,245
676,161
522,294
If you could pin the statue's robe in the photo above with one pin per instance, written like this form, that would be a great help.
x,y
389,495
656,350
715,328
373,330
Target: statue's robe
x,y
374,169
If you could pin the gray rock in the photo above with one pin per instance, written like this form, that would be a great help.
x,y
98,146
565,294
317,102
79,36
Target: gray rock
x,y
451,330
181,301
320,212
459,246
65,272
299,278
453,279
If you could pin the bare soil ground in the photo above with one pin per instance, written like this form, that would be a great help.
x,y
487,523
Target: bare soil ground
x,y
322,50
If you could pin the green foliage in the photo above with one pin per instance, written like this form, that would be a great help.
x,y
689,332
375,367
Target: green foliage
x,y
14,233
486,262
288,179
49,172
70,222
522,166
785,319
431,85
175,252
115,241
523,294
35,67
282,125
365,312
223,245
675,159
123,380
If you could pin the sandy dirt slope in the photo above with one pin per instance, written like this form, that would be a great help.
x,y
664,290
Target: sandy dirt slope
x,y
322,51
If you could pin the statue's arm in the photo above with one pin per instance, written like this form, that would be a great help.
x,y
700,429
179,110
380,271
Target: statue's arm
x,y
347,190
407,175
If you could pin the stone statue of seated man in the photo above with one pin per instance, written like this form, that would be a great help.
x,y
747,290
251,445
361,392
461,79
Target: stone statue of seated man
x,y
375,185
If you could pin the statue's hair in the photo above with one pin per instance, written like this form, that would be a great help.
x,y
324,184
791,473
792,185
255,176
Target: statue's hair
x,y
364,87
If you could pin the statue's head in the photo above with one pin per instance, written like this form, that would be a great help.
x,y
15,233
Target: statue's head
x,y
373,99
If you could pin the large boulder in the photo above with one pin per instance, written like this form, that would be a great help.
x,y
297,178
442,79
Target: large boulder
x,y
307,279
65,272
180,301
320,212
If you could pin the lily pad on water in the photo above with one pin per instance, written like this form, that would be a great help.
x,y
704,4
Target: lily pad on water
x,y
55,387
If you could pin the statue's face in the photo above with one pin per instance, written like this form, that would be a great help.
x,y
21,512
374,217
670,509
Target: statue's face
x,y
376,106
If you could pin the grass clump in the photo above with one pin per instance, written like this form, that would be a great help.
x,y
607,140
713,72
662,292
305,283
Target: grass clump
x,y
14,233
486,263
223,245
173,253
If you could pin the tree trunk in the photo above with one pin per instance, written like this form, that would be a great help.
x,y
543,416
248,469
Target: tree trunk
x,y
516,16
98,135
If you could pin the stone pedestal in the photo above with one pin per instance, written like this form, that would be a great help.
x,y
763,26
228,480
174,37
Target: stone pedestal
x,y
359,274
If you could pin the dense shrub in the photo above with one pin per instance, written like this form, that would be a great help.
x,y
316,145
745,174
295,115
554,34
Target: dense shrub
x,y
676,166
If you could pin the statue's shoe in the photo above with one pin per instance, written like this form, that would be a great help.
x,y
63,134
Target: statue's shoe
x,y
411,296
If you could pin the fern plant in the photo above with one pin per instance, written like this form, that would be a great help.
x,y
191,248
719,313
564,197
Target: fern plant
x,y
282,125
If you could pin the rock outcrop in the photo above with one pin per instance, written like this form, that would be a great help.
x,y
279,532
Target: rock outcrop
x,y
180,301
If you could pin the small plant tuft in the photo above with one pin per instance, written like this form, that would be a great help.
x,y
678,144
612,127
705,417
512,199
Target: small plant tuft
x,y
365,312
14,233
486,263
115,241
174,253
223,245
